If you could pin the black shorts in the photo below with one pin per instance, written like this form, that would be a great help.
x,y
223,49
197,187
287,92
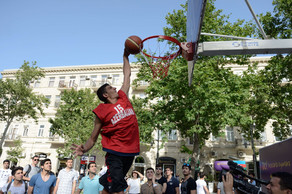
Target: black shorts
x,y
117,168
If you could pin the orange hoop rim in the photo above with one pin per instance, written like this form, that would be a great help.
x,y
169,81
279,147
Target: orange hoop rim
x,y
169,38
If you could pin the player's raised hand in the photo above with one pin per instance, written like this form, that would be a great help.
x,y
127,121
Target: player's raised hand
x,y
78,150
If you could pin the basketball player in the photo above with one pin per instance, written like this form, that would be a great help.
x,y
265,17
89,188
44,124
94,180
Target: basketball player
x,y
117,123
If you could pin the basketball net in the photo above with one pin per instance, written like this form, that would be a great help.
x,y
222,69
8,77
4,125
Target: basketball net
x,y
159,51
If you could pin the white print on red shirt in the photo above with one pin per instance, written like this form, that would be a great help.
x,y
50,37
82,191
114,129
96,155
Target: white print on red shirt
x,y
121,113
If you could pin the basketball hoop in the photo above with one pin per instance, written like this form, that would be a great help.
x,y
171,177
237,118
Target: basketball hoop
x,y
159,51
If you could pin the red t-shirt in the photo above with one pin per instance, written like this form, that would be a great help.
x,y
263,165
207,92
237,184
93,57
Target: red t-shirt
x,y
120,132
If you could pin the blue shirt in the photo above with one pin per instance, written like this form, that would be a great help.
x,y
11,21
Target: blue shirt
x,y
90,186
41,187
171,185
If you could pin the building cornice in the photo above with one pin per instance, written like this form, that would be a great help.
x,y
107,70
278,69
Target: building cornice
x,y
80,68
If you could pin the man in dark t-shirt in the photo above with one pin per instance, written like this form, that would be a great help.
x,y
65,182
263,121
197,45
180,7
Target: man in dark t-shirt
x,y
159,178
172,183
188,185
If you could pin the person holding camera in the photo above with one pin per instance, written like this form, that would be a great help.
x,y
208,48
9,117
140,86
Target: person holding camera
x,y
280,183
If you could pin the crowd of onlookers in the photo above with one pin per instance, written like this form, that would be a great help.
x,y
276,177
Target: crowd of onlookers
x,y
41,180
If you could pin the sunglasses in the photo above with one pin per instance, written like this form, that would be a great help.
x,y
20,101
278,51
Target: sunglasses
x,y
159,168
36,159
186,164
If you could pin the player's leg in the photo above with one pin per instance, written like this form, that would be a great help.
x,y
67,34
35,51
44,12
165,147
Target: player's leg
x,y
114,179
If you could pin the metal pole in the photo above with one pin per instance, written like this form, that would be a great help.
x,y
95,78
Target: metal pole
x,y
157,156
256,20
254,158
227,36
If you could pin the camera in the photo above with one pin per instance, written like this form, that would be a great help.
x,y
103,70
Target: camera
x,y
240,179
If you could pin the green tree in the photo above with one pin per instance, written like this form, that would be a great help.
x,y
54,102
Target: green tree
x,y
211,102
74,118
15,152
18,101
278,74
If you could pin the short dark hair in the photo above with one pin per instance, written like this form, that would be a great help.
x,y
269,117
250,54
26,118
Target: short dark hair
x,y
201,174
69,159
44,161
6,161
285,179
35,156
101,91
158,165
150,169
88,166
187,165
16,169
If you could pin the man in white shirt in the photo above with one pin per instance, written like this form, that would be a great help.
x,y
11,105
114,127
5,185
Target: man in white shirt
x,y
202,185
67,179
5,174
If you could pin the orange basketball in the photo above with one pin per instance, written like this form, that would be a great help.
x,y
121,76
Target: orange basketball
x,y
133,44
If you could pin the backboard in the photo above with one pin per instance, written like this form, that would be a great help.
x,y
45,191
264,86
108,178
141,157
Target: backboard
x,y
195,15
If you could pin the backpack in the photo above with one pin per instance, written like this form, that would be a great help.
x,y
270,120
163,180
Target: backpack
x,y
28,171
9,184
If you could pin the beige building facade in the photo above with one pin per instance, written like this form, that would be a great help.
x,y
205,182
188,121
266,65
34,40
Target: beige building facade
x,y
37,138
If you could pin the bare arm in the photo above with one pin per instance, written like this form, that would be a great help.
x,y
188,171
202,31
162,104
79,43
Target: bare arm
x,y
164,187
177,190
127,73
193,192
57,185
29,190
73,187
79,150
25,178
206,190
140,175
79,191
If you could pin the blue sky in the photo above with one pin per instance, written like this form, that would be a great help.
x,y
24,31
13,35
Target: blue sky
x,y
83,32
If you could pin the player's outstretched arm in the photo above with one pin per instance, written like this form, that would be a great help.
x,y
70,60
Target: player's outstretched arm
x,y
79,150
127,72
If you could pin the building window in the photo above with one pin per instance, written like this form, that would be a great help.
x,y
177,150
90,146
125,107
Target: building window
x,y
37,83
41,131
72,81
229,134
25,130
13,132
57,101
49,98
172,135
104,79
142,95
263,136
82,81
93,80
191,140
51,82
213,138
116,79
62,82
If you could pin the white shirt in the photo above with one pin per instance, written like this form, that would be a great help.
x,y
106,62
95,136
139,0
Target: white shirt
x,y
200,186
4,176
134,185
66,179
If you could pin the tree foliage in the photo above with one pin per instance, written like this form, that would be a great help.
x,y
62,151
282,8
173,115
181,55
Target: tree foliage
x,y
18,101
217,98
15,153
74,118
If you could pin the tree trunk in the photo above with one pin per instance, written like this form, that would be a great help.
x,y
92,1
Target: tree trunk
x,y
196,154
4,135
